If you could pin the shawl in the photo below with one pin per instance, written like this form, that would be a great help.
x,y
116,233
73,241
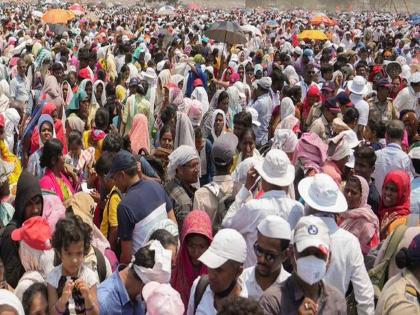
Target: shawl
x,y
183,276
75,123
50,183
313,91
139,134
200,94
311,150
361,221
287,108
52,93
402,207
184,132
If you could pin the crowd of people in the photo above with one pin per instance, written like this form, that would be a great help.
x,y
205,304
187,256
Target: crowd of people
x,y
147,168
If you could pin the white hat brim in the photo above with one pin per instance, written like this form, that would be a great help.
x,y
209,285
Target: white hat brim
x,y
211,259
309,242
339,206
364,91
283,181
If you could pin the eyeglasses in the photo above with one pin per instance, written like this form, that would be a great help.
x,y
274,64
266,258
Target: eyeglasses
x,y
269,257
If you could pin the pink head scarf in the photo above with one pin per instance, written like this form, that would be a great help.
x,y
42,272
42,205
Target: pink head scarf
x,y
139,134
311,151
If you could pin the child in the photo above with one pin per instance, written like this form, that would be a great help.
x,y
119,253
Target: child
x,y
72,285
81,160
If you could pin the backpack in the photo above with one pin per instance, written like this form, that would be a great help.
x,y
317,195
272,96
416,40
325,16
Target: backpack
x,y
199,290
223,203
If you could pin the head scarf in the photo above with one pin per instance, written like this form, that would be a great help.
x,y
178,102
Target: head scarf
x,y
361,221
313,91
75,123
121,93
402,207
341,151
179,157
184,132
81,95
311,151
196,222
139,134
287,108
285,140
53,210
10,299
69,92
4,99
12,119
43,119
103,95
36,260
290,122
213,120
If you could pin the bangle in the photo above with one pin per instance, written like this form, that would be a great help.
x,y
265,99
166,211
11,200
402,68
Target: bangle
x,y
58,310
89,309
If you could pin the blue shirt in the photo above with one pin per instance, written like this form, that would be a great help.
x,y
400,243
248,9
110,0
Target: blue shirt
x,y
264,106
113,298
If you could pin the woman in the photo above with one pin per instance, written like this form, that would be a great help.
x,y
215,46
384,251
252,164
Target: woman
x,y
87,86
28,203
4,99
218,125
99,95
359,219
411,123
67,93
311,153
50,109
74,123
220,100
395,201
139,134
196,237
247,145
12,119
54,179
51,91
81,160
79,106
313,96
396,86
46,132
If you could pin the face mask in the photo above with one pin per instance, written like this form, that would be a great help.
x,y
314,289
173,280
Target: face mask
x,y
311,269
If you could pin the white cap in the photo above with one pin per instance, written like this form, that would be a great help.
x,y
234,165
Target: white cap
x,y
414,153
274,226
358,85
254,115
227,244
264,82
348,136
276,168
415,77
322,193
311,231
298,51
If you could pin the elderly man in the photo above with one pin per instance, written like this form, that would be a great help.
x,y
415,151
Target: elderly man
x,y
305,291
20,90
264,106
183,172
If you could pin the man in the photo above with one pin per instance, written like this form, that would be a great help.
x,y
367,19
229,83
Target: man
x,y
144,205
305,292
20,91
392,157
408,97
224,260
121,293
308,80
302,62
322,126
382,103
276,173
364,165
183,172
358,89
264,106
208,197
324,199
271,249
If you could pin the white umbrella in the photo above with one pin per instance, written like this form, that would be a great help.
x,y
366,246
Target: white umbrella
x,y
38,14
166,10
248,28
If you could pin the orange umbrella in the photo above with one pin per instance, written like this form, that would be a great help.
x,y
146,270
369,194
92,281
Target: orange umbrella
x,y
320,19
57,16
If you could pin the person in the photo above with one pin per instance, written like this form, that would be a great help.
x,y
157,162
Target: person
x,y
414,155
374,133
271,249
167,235
218,126
264,106
400,295
247,145
241,306
395,202
322,126
335,165
35,299
196,237
183,172
359,219
224,260
392,157
411,124
382,103
72,285
323,198
28,203
139,134
244,215
6,208
80,159
20,90
54,179
406,98
306,291
122,292
207,197
136,220
162,299
204,147
220,101
51,89
358,88
10,304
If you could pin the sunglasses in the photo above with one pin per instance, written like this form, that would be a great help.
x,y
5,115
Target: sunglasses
x,y
269,257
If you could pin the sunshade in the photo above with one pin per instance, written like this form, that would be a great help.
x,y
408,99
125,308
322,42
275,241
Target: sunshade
x,y
166,10
321,19
312,35
248,28
226,32
57,16
77,9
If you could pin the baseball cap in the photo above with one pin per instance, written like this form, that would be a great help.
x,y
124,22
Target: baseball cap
x,y
331,105
383,83
308,53
254,115
224,149
227,244
276,168
274,226
343,99
36,232
311,231
264,82
322,193
122,161
162,299
198,82
84,74
134,81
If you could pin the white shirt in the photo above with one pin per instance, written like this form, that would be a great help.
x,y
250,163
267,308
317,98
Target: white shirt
x,y
252,286
347,265
206,305
245,216
362,107
407,99
392,157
